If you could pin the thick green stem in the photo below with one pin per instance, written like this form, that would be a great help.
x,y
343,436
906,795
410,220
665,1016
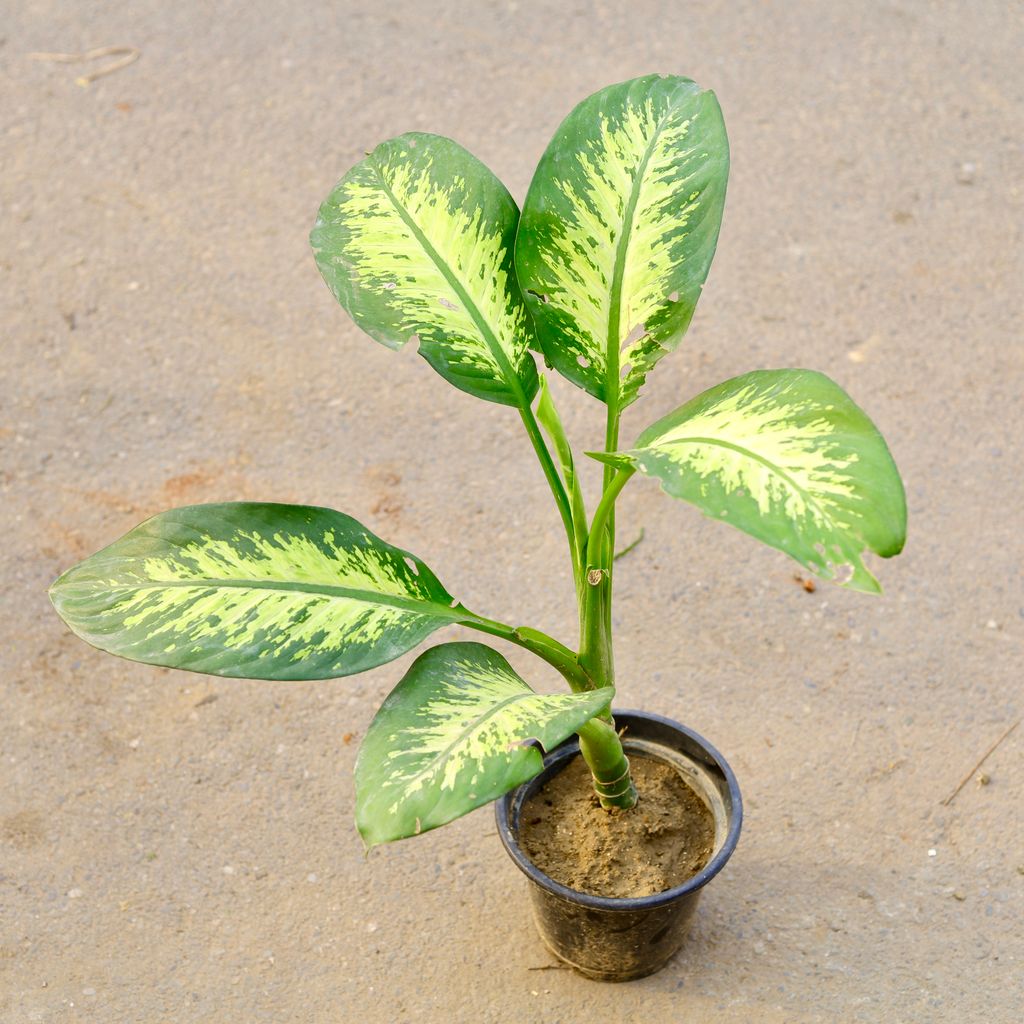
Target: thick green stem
x,y
602,750
599,743
595,607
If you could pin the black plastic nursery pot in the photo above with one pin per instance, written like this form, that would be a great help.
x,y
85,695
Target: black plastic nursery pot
x,y
613,939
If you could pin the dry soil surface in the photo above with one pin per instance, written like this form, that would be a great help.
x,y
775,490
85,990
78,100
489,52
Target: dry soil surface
x,y
175,848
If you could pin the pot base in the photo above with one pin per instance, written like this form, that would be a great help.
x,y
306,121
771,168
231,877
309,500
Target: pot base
x,y
614,972
614,976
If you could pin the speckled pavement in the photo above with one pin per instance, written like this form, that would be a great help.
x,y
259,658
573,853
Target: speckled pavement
x,y
175,848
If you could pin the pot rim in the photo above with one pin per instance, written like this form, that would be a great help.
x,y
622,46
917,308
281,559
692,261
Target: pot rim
x,y
620,903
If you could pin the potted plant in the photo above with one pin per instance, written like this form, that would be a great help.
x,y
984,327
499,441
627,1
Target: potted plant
x,y
600,274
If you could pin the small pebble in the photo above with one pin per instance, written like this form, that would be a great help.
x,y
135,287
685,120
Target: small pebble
x,y
965,176
933,853
311,877
74,894
88,991
228,869
959,896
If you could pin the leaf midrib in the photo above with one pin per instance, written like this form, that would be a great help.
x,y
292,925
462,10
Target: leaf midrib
x,y
441,756
808,496
455,613
490,339
480,719
614,338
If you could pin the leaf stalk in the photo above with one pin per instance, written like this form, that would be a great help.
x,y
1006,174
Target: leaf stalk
x,y
545,647
555,482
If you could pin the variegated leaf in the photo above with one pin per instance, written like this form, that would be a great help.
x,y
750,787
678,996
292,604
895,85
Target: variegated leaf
x,y
416,242
459,730
258,591
786,456
619,228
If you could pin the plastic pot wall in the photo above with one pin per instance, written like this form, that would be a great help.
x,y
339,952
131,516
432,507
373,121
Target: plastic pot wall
x,y
612,939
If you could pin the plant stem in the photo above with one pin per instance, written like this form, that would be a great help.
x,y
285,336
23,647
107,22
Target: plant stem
x,y
550,650
599,743
555,482
599,544
602,750
630,546
595,611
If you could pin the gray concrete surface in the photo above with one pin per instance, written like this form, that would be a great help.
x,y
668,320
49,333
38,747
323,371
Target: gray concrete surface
x,y
178,848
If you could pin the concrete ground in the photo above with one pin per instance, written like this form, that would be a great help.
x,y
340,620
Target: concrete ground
x,y
176,848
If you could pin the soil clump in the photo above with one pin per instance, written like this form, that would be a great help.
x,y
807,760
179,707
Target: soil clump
x,y
664,840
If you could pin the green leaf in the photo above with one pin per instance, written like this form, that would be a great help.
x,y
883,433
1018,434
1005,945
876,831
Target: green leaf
x,y
547,416
786,456
456,732
619,228
416,241
259,591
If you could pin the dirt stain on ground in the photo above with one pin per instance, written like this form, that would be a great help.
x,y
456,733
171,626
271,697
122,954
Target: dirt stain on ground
x,y
23,830
385,480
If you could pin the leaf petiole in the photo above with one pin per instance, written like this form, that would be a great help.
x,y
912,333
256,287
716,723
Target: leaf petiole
x,y
596,548
545,647
554,482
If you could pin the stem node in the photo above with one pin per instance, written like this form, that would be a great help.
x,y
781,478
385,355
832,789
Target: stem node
x,y
602,750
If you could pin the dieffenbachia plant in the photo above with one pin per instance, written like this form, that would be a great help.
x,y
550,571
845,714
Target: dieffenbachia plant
x,y
600,274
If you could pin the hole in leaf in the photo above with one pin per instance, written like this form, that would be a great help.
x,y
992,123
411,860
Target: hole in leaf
x,y
583,361
537,295
447,304
413,567
673,297
636,334
844,573
390,286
